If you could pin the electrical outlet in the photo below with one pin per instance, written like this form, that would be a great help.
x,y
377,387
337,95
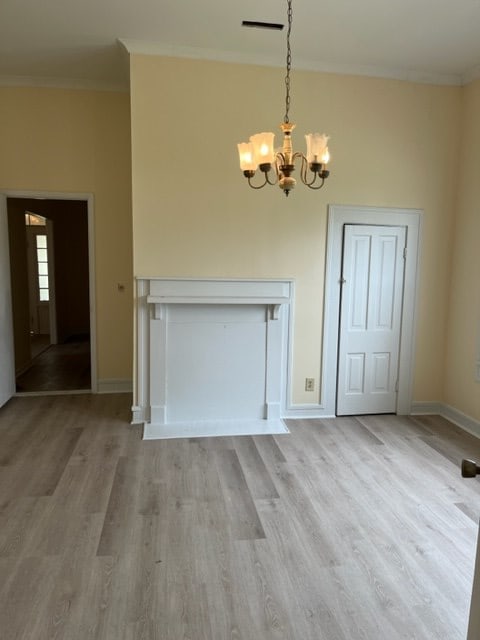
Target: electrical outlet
x,y
309,384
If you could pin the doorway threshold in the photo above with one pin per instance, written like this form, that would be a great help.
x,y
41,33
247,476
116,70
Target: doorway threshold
x,y
66,392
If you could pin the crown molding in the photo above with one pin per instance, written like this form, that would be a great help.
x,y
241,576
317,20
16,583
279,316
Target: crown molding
x,y
141,47
63,83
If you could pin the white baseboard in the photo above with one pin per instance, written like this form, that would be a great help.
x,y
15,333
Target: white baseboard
x,y
458,418
139,415
426,408
115,385
294,412
299,411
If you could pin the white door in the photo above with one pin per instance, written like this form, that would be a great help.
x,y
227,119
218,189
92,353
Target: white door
x,y
7,360
370,319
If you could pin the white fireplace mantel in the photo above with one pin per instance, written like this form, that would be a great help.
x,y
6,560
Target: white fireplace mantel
x,y
219,292
210,352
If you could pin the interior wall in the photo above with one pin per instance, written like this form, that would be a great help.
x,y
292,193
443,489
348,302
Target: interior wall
x,y
75,141
393,144
462,390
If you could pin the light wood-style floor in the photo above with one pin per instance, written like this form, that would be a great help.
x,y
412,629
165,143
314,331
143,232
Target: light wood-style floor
x,y
347,529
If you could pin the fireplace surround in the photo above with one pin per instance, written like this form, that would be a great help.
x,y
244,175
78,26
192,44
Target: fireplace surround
x,y
211,356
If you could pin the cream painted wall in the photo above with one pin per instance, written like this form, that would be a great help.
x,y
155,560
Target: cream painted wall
x,y
59,140
461,389
393,144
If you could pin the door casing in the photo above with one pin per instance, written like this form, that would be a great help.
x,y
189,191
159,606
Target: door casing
x,y
338,216
7,366
88,198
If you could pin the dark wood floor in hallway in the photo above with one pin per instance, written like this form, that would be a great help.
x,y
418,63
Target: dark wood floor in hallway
x,y
346,529
59,367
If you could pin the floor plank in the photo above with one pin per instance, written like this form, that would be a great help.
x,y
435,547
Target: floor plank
x,y
243,517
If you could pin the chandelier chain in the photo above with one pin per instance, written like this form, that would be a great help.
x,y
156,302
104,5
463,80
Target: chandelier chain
x,y
289,62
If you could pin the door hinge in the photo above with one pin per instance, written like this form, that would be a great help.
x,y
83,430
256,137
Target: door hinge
x,y
396,386
342,281
404,253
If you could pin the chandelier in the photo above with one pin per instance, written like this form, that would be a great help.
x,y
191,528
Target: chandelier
x,y
259,153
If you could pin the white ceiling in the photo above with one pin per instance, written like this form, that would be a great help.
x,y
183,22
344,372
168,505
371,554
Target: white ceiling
x,y
61,42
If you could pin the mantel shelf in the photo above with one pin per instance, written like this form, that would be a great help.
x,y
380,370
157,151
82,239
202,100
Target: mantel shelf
x,y
169,299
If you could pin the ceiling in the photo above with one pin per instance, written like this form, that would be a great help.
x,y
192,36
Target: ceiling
x,y
66,43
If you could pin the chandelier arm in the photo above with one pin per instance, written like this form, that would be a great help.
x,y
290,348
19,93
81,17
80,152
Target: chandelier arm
x,y
311,184
259,186
267,177
265,182
303,174
303,170
279,158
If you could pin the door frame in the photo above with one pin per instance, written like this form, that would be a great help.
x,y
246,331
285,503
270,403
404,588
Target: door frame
x,y
89,199
338,216
7,370
51,283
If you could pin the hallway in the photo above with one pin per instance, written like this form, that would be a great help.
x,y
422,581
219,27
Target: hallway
x,y
60,367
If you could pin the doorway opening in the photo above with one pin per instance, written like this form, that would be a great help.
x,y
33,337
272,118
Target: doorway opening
x,y
50,268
